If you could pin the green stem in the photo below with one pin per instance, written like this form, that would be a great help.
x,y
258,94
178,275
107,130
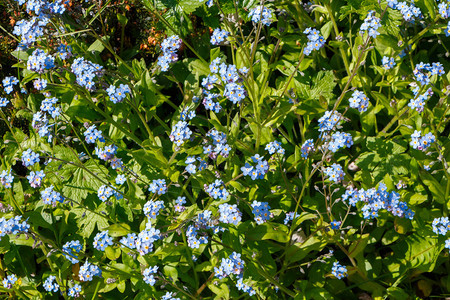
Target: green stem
x,y
336,32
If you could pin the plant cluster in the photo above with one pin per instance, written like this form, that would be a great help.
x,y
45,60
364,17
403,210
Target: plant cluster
x,y
273,150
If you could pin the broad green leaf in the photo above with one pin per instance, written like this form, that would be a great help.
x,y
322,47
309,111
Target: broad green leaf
x,y
434,186
116,230
419,251
269,231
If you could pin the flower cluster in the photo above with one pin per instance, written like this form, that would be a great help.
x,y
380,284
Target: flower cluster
x,y
29,158
41,122
371,25
180,133
217,190
377,199
129,241
290,216
179,204
48,105
39,61
9,281
40,84
50,285
315,40
408,11
234,91
169,48
85,72
329,120
191,232
388,62
231,80
13,226
307,147
71,250
359,101
219,144
148,275
335,173
218,36
234,265
170,295
50,197
261,13
338,270
146,238
273,147
74,291
418,102
420,142
106,153
261,211
229,214
258,171
92,134
9,83
231,265
29,30
64,51
191,168
104,192
152,208
35,178
245,287
88,271
444,9
6,178
340,140
117,94
441,225
423,72
102,240
187,114
158,186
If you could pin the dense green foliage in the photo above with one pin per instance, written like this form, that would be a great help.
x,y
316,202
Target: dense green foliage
x,y
309,142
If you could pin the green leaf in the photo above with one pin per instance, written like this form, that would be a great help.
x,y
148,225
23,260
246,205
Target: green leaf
x,y
397,293
221,290
418,250
300,250
189,6
87,220
116,230
199,68
122,19
85,180
358,246
98,46
302,218
326,29
112,253
434,186
323,85
269,231
121,286
4,244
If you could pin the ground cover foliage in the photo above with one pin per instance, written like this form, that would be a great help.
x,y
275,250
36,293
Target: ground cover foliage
x,y
225,149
